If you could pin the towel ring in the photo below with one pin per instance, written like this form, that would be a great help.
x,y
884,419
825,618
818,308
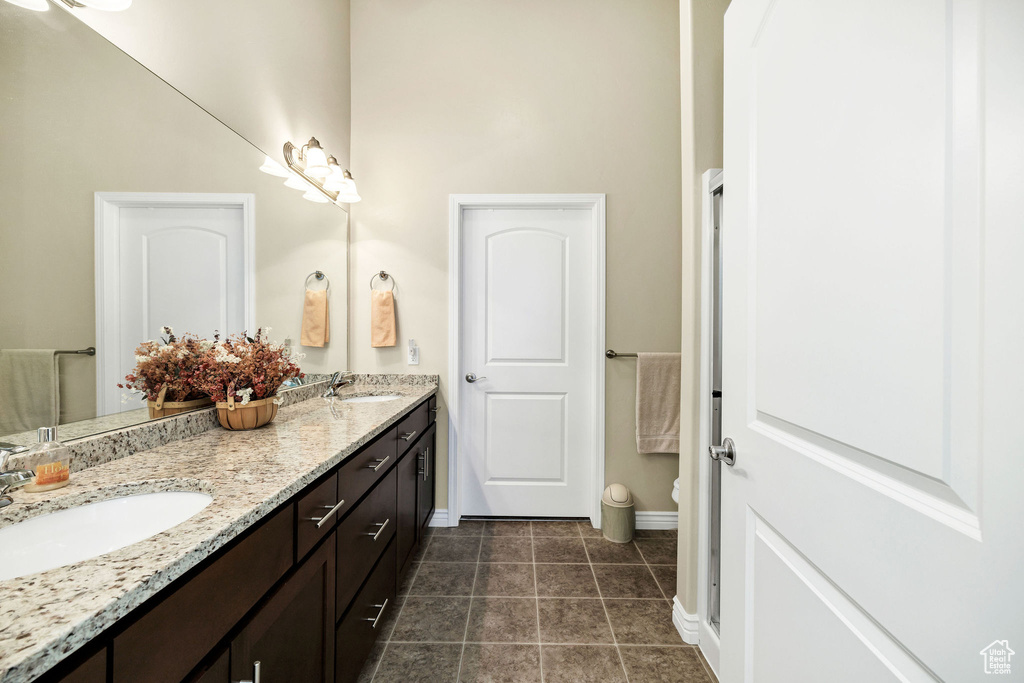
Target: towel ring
x,y
383,275
319,275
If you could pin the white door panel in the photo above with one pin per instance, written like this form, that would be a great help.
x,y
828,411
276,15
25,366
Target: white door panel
x,y
169,260
529,309
869,524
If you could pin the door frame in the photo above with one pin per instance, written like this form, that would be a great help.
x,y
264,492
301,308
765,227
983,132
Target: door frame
x,y
108,207
457,203
707,640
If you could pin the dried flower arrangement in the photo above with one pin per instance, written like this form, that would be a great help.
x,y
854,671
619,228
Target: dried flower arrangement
x,y
245,368
167,370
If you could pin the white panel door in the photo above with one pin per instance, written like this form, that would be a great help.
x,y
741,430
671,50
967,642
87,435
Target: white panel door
x,y
529,306
873,328
182,266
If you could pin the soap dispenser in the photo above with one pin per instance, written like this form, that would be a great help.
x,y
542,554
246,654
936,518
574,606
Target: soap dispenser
x,y
50,460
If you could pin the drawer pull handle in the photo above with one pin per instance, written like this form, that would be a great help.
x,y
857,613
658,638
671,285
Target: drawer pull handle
x,y
255,673
407,437
434,410
380,462
320,521
379,613
380,530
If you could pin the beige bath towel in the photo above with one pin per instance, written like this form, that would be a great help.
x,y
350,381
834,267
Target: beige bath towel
x,y
382,318
316,320
658,377
29,390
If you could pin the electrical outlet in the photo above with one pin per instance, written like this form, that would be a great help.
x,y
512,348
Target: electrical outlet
x,y
414,353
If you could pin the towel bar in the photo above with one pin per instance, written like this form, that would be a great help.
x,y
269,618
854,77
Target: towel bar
x,y
91,351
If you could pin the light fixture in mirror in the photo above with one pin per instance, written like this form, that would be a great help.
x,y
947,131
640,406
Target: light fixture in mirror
x,y
326,176
105,5
37,5
273,168
314,196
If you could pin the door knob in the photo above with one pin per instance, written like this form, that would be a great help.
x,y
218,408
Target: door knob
x,y
471,377
726,452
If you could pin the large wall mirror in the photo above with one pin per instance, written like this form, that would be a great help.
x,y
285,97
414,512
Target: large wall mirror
x,y
125,207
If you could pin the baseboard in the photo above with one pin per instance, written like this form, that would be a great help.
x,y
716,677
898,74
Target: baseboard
x,y
439,518
644,519
685,623
668,519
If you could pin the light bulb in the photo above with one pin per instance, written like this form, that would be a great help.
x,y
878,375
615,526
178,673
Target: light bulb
x,y
273,168
108,5
37,5
336,180
316,159
297,183
349,194
316,196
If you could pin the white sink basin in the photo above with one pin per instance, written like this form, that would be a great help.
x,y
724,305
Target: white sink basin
x,y
370,399
68,536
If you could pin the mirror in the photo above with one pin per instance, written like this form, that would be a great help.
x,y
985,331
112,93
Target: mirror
x,y
124,207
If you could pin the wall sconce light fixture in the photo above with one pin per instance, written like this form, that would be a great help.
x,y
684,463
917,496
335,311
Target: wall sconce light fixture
x,y
310,169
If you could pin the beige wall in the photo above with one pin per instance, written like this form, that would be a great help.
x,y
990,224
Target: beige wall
x,y
108,124
517,96
273,71
700,30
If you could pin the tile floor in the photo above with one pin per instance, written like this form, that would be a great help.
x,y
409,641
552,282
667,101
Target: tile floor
x,y
524,601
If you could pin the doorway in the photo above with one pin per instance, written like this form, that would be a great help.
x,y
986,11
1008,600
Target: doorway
x,y
182,260
527,373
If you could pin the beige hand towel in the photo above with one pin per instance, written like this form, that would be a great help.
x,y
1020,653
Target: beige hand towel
x,y
29,390
658,377
382,318
316,321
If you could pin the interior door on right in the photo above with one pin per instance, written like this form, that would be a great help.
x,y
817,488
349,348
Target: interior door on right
x,y
873,334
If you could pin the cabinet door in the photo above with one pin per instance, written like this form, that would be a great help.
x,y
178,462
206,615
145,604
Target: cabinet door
x,y
292,634
427,477
365,619
92,670
408,485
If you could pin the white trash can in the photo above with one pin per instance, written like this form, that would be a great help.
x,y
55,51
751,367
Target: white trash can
x,y
618,514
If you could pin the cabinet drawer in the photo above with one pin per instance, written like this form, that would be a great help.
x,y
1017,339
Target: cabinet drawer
x,y
362,470
363,536
360,627
173,637
432,409
411,427
316,514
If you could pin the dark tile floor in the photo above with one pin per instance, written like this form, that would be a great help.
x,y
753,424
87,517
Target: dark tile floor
x,y
518,602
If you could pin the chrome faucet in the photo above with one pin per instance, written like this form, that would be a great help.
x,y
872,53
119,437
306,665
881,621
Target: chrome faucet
x,y
339,380
12,479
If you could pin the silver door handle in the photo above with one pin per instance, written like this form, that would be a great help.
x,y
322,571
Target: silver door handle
x,y
320,521
380,463
408,436
471,377
255,674
380,530
726,452
377,618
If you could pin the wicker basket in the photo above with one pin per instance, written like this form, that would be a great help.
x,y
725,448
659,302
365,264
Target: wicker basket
x,y
233,415
162,408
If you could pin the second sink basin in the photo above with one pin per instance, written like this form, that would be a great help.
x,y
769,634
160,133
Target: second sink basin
x,y
370,399
79,533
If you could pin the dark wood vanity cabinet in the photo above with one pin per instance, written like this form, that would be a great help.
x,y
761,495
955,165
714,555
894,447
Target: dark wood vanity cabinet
x,y
304,592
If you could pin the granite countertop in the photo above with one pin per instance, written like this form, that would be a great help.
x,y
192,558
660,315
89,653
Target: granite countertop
x,y
46,616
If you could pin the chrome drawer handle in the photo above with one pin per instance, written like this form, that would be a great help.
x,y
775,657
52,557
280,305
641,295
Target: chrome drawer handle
x,y
422,471
320,521
377,618
380,530
407,437
434,410
255,674
380,462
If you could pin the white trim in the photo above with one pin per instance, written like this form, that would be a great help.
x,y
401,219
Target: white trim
x,y
456,204
711,180
657,519
439,518
684,622
108,217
